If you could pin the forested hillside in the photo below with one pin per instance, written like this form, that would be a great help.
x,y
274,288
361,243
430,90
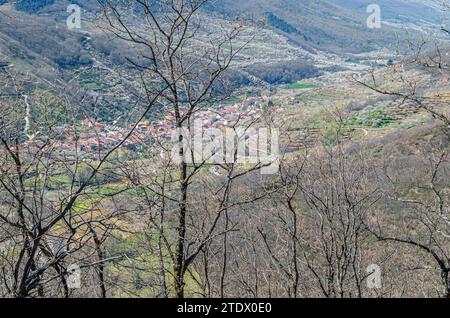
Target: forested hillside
x,y
224,149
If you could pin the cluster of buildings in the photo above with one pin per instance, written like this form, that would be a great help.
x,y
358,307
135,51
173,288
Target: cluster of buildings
x,y
227,116
95,136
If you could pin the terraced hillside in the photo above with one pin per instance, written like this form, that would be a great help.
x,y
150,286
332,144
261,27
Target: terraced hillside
x,y
313,113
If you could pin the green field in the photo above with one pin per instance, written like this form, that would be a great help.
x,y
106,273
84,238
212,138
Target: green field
x,y
300,85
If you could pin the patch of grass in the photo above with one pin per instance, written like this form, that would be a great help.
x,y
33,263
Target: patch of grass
x,y
374,119
54,182
140,269
300,85
91,85
112,189
84,205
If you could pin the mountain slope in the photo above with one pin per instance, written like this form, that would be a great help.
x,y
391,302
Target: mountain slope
x,y
314,24
412,11
335,25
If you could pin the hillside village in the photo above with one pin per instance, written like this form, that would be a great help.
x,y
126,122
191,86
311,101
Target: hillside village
x,y
351,202
94,136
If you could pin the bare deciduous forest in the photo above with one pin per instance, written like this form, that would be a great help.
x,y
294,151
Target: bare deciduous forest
x,y
106,201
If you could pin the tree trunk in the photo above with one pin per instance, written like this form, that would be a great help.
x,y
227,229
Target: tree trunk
x,y
179,269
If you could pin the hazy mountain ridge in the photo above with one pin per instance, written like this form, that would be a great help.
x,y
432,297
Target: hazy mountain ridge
x,y
398,10
335,25
311,24
297,39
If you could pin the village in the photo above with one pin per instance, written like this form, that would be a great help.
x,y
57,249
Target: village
x,y
93,136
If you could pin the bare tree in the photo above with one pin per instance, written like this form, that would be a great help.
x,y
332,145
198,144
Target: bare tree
x,y
415,82
424,224
45,222
175,53
321,247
